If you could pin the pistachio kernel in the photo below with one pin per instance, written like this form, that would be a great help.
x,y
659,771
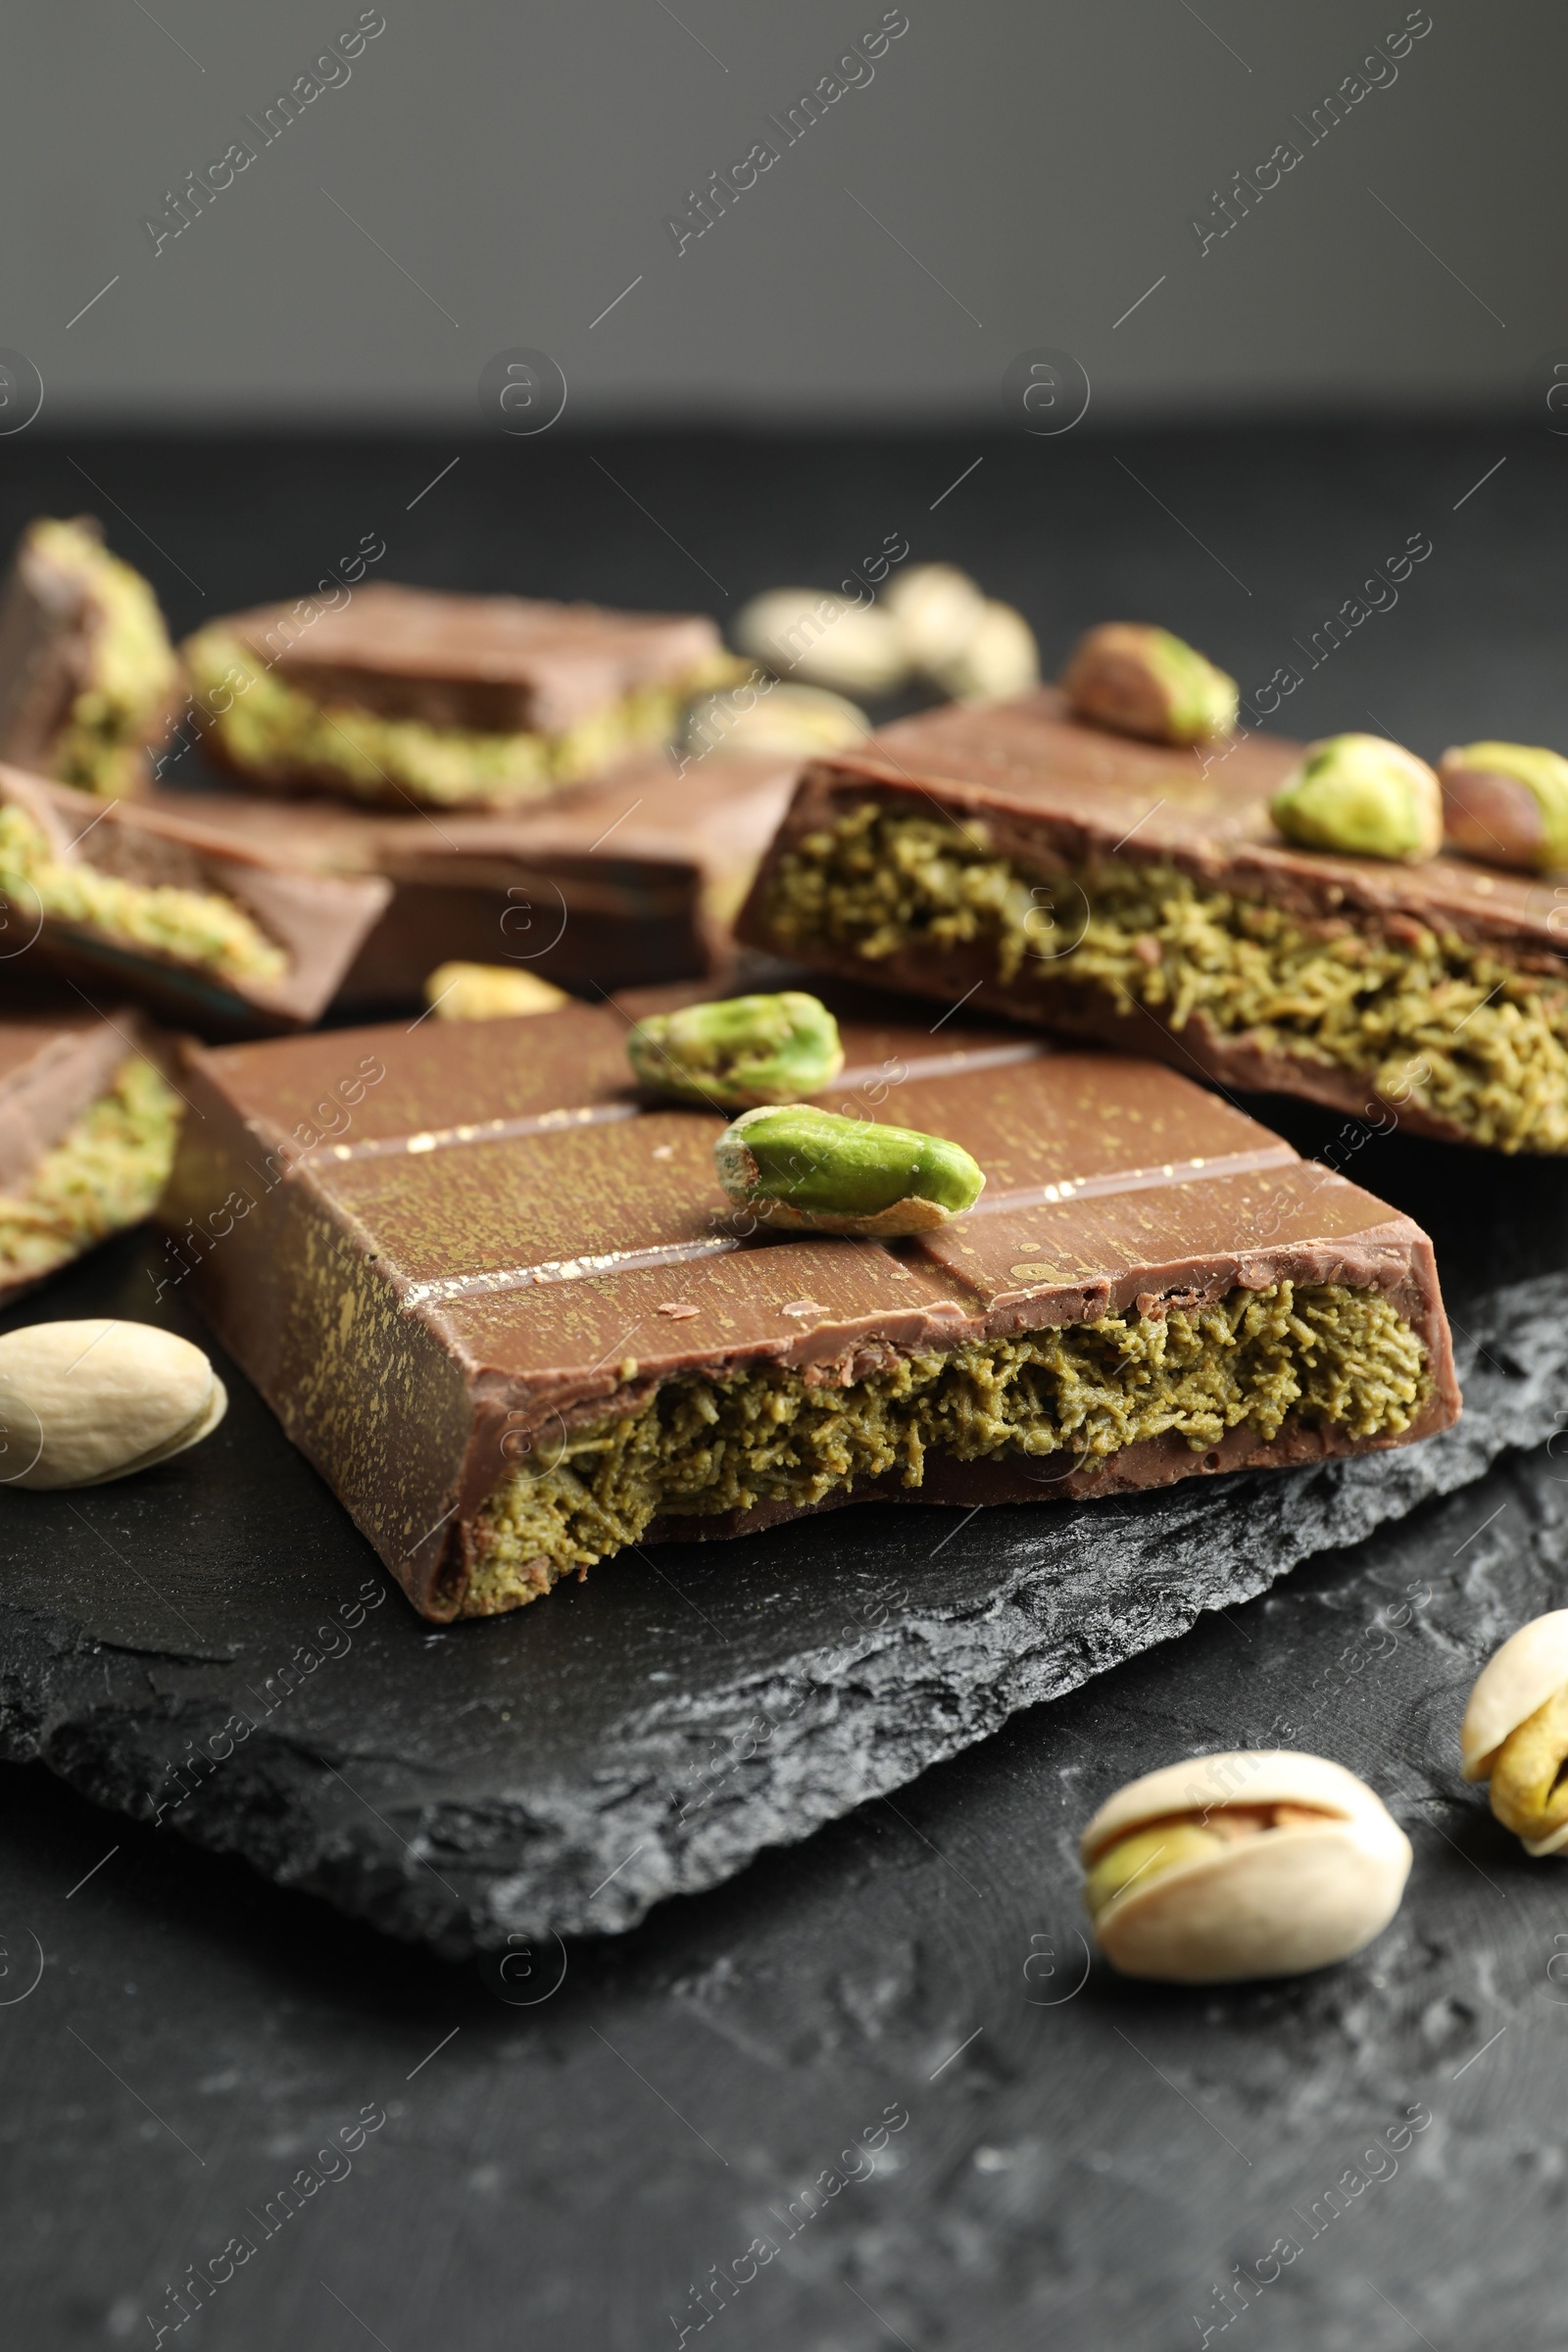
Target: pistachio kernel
x,y
1506,804
1363,795
1143,681
741,1051
817,1171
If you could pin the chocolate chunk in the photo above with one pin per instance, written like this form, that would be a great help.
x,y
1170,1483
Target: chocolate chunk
x,y
1139,896
227,937
632,878
448,1260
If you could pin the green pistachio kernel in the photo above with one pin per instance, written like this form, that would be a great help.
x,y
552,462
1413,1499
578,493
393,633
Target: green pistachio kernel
x,y
740,1052
819,1172
1506,804
1143,681
1363,795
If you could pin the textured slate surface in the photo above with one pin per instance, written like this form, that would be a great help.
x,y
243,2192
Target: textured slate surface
x,y
212,1645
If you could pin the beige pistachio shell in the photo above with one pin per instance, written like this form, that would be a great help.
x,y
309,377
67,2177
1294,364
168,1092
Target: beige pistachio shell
x,y
938,608
999,659
1273,1904
1514,1682
819,639
84,1403
489,992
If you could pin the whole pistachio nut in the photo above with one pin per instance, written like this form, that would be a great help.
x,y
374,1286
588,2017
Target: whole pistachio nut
x,y
1258,1864
1363,795
773,721
740,1052
1507,803
1001,659
817,1172
489,992
939,609
821,639
1515,1733
81,1403
1143,681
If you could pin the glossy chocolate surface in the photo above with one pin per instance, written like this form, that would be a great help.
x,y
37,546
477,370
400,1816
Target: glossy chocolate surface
x,y
429,1248
496,662
633,877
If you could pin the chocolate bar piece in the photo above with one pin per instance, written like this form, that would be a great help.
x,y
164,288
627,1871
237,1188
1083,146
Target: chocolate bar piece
x,y
633,879
502,1304
410,697
88,679
87,1128
229,937
1138,895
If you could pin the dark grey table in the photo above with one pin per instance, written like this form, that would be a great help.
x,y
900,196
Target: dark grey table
x,y
869,2092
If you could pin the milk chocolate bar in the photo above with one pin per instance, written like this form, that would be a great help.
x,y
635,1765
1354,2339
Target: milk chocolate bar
x,y
409,697
87,1128
634,878
88,678
227,937
499,1302
1138,895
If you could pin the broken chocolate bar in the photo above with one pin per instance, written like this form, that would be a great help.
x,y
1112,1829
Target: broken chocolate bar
x,y
410,696
504,1308
88,678
1138,895
87,1128
227,937
634,878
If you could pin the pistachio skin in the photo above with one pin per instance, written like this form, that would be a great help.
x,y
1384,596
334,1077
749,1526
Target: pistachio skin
x,y
1506,804
739,1052
1227,1868
1363,797
85,1402
814,1171
1143,681
1515,1733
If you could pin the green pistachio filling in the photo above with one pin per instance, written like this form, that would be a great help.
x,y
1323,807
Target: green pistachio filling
x,y
269,729
189,926
102,745
1427,1017
105,1172
704,1444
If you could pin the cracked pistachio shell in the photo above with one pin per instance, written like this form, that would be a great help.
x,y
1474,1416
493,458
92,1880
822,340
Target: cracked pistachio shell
x,y
489,992
1001,659
1519,1681
771,720
1143,681
816,1172
1198,1907
820,639
81,1403
740,1052
1506,804
1362,795
938,608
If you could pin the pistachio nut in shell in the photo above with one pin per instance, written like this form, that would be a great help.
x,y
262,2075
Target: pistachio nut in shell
x,y
1261,1863
938,608
773,721
1515,1733
817,1171
1506,804
823,640
740,1052
1362,795
1145,681
489,992
1001,659
81,1403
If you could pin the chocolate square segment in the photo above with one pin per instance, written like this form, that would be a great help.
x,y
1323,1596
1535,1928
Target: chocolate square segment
x,y
1138,895
499,1302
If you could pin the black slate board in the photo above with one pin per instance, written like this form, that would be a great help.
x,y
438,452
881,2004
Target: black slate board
x,y
214,1647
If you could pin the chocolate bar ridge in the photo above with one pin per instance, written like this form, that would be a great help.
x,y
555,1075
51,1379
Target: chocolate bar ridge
x,y
1116,853
444,1260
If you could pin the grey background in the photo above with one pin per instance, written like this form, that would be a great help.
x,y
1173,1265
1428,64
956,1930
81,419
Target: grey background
x,y
1042,163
